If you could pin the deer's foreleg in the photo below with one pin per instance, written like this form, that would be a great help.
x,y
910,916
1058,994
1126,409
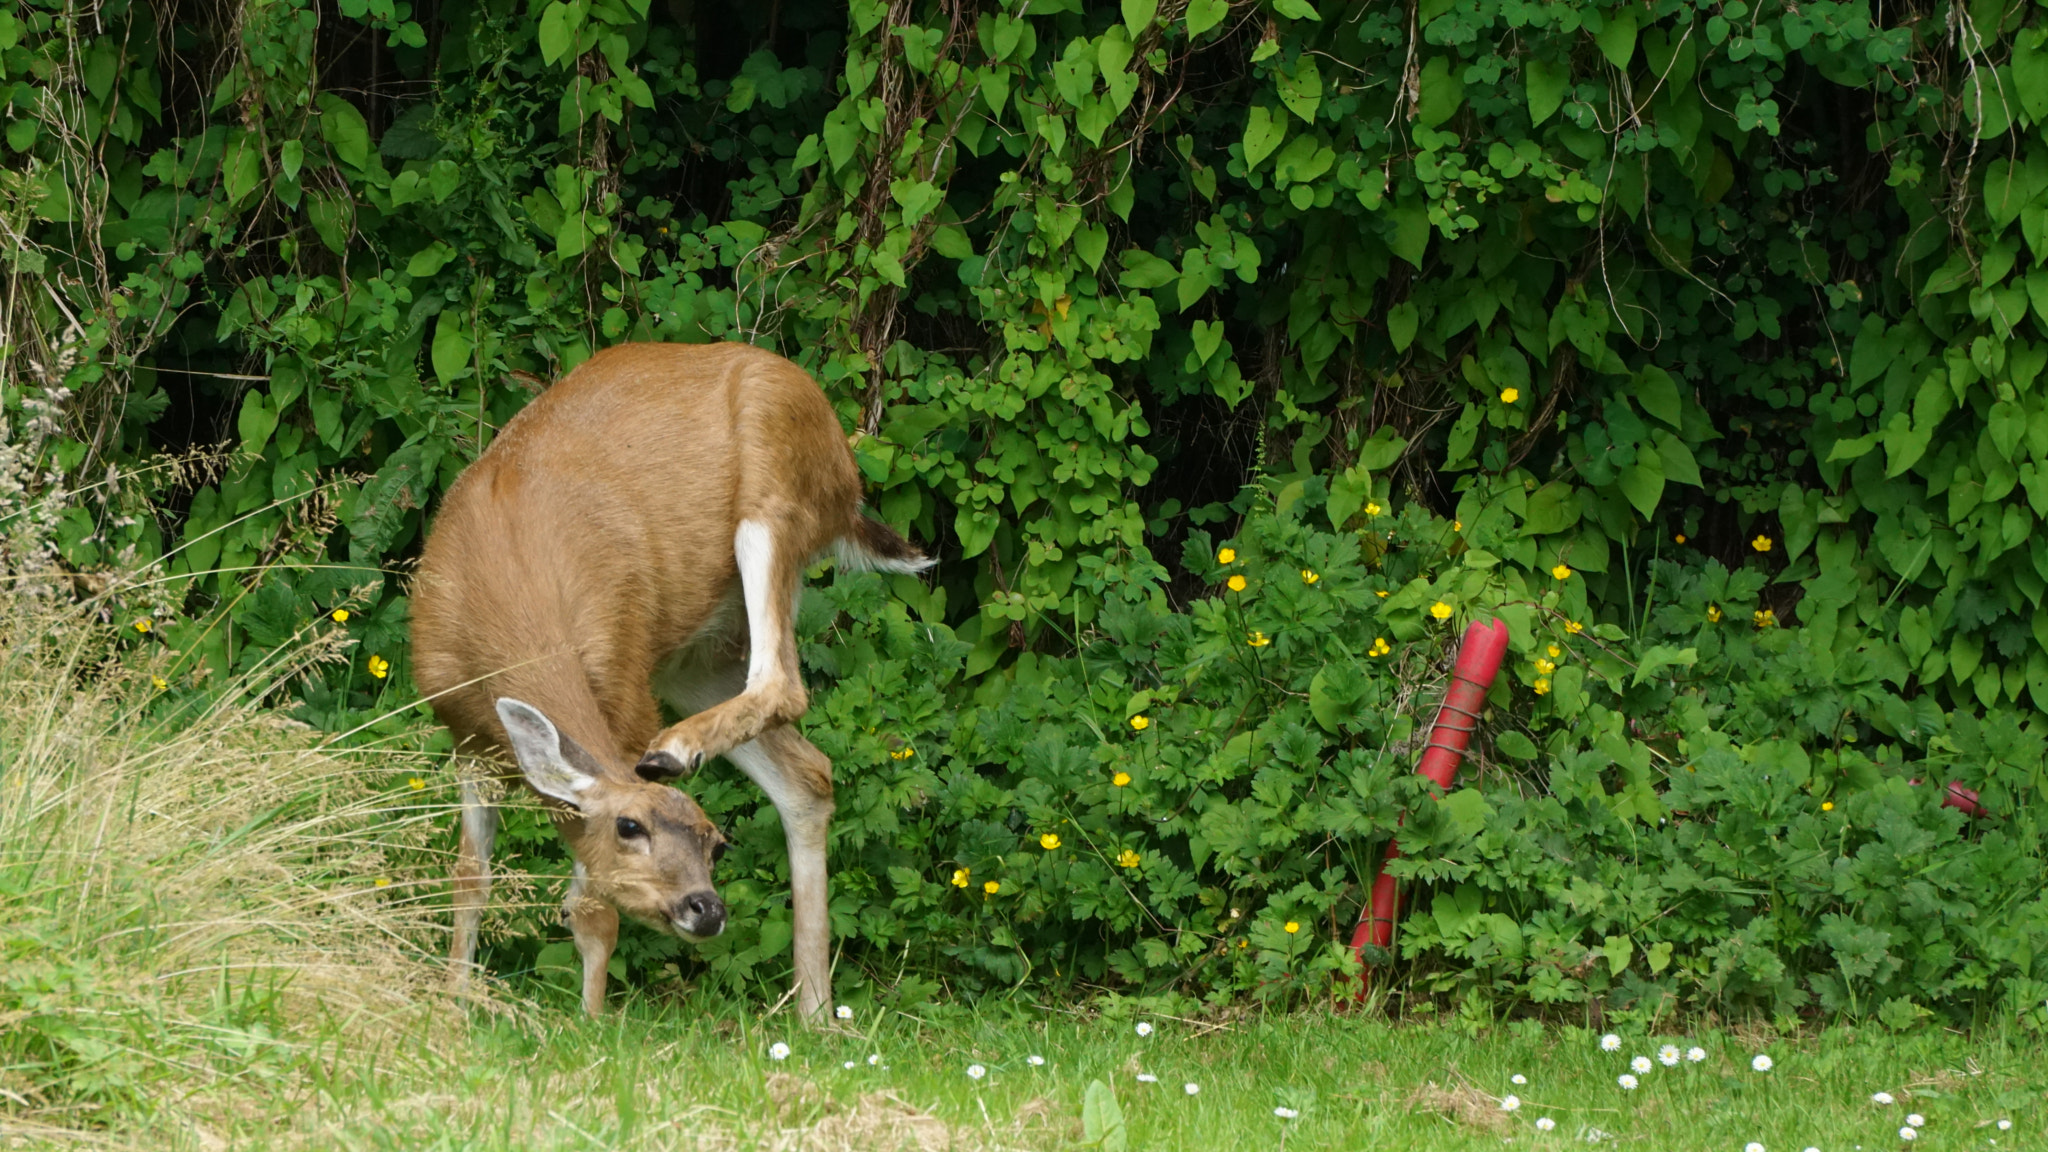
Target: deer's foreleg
x,y
595,926
472,878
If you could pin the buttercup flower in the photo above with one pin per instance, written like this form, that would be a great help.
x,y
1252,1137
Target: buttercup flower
x,y
1457,525
1510,1103
960,876
1144,1028
1382,593
379,667
1827,805
1545,666
1049,841
844,1012
1545,1123
1309,577
1226,556
142,625
1762,543
1668,1055
339,615
1574,627
159,683
1880,1097
1695,1054
1257,639
976,1071
381,882
1510,395
1127,859
416,784
1713,613
1440,610
1627,1082
1761,1062
1140,723
1764,618
992,887
1640,1064
1610,1043
1680,538
1554,651
778,1051
1235,583
1120,779
1292,926
1380,647
1541,687
1561,572
1372,508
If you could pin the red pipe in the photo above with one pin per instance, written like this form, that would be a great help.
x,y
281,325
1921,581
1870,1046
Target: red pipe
x,y
1479,658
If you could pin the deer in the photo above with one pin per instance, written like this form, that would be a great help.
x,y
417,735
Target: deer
x,y
639,533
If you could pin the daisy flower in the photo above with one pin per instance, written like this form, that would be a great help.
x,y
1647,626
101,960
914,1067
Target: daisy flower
x,y
1545,1123
844,1012
1669,1055
1518,1078
1510,1103
1761,1062
848,1065
976,1071
2005,1125
874,1059
1915,1120
1908,1134
1144,1028
778,1051
1640,1064
1147,1078
1191,1088
1035,1061
1285,1113
1695,1054
1610,1043
1627,1082
1752,1146
1880,1097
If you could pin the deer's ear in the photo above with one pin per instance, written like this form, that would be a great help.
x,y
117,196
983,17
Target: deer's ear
x,y
543,753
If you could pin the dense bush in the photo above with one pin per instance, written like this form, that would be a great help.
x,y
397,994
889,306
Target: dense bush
x,y
1660,329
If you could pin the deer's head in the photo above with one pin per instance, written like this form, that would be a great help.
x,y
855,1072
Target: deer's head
x,y
645,848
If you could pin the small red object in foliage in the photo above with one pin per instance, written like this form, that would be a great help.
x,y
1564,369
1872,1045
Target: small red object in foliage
x,y
1961,799
1479,658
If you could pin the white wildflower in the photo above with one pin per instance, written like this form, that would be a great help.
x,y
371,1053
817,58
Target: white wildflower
x,y
874,1059
844,1012
1761,1062
1510,1103
976,1071
778,1051
1752,1146
1610,1043
1915,1120
2005,1125
1545,1123
1669,1055
1144,1028
848,1065
1191,1088
1147,1078
1880,1097
1627,1082
1518,1078
1035,1061
1908,1134
1640,1064
1695,1053
1285,1113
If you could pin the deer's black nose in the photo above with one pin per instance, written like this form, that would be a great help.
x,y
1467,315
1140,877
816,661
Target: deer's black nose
x,y
701,914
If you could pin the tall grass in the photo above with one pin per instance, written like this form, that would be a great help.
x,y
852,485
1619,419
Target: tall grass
x,y
196,916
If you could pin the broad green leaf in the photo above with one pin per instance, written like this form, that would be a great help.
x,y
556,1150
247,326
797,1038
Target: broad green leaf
x,y
1382,450
1139,14
1514,745
1262,135
1203,15
1618,39
1568,689
1679,465
1643,483
1144,270
429,260
1091,243
344,130
1657,392
452,346
1301,88
1410,239
1333,695
242,168
1296,9
1545,83
1208,337
1468,811
291,155
2030,72
557,34
1619,950
1443,91
1987,94
995,87
1552,508
258,419
1402,320
1662,656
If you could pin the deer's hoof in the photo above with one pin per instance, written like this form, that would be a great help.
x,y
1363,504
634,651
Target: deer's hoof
x,y
660,766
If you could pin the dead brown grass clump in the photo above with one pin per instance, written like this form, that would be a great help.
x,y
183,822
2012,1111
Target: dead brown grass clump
x,y
1463,1104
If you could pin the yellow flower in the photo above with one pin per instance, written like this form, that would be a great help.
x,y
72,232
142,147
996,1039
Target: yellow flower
x,y
382,881
159,683
1713,613
903,754
1380,647
1762,543
1555,651
960,876
1574,627
1372,509
1292,926
1827,805
1457,525
1140,723
1121,779
1244,944
142,625
1127,859
380,667
1680,538
1764,618
416,784
1382,593
1258,640
991,887
1510,395
1049,841
1226,556
1440,610
1545,666
1235,583
1561,572
1542,686
339,615
1308,576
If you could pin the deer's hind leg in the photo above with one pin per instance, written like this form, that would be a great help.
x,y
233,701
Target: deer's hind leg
x,y
472,879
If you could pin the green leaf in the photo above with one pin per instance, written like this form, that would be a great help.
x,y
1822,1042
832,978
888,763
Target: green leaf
x,y
1514,745
557,33
1663,656
1442,92
1468,811
1659,956
1262,135
1205,14
291,156
452,346
429,260
2030,72
1139,14
1657,392
242,168
1382,450
1144,270
1617,40
257,421
1619,950
1568,689
1410,239
1545,83
1643,483
1302,88
1091,244
1333,696
344,130
1402,320
1208,336
1552,508
1102,1119
1296,10
1679,465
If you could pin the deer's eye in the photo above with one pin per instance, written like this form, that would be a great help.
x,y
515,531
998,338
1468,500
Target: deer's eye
x,y
630,828
718,853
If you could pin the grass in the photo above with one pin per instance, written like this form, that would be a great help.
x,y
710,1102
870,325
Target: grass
x,y
194,953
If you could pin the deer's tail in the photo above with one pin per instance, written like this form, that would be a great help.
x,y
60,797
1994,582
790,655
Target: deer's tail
x,y
870,545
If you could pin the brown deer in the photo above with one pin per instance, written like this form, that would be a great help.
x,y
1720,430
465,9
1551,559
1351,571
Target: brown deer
x,y
641,530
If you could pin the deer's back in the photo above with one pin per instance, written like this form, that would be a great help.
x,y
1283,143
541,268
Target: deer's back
x,y
595,535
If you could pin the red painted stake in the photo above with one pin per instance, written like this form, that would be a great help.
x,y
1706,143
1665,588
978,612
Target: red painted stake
x,y
1479,658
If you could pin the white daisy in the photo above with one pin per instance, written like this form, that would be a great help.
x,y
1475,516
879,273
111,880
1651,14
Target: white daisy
x,y
1518,1078
976,1071
1144,1028
1510,1103
1669,1055
1880,1097
1285,1113
844,1012
1695,1054
1640,1064
1813,1150
1191,1088
1545,1123
1915,1120
874,1059
1752,1146
1610,1043
1627,1082
848,1065
1035,1061
1147,1078
2005,1125
1908,1134
778,1051
1761,1062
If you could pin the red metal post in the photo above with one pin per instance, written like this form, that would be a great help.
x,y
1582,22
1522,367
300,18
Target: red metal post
x,y
1479,658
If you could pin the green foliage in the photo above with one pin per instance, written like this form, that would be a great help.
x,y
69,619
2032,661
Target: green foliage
x,y
1673,324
